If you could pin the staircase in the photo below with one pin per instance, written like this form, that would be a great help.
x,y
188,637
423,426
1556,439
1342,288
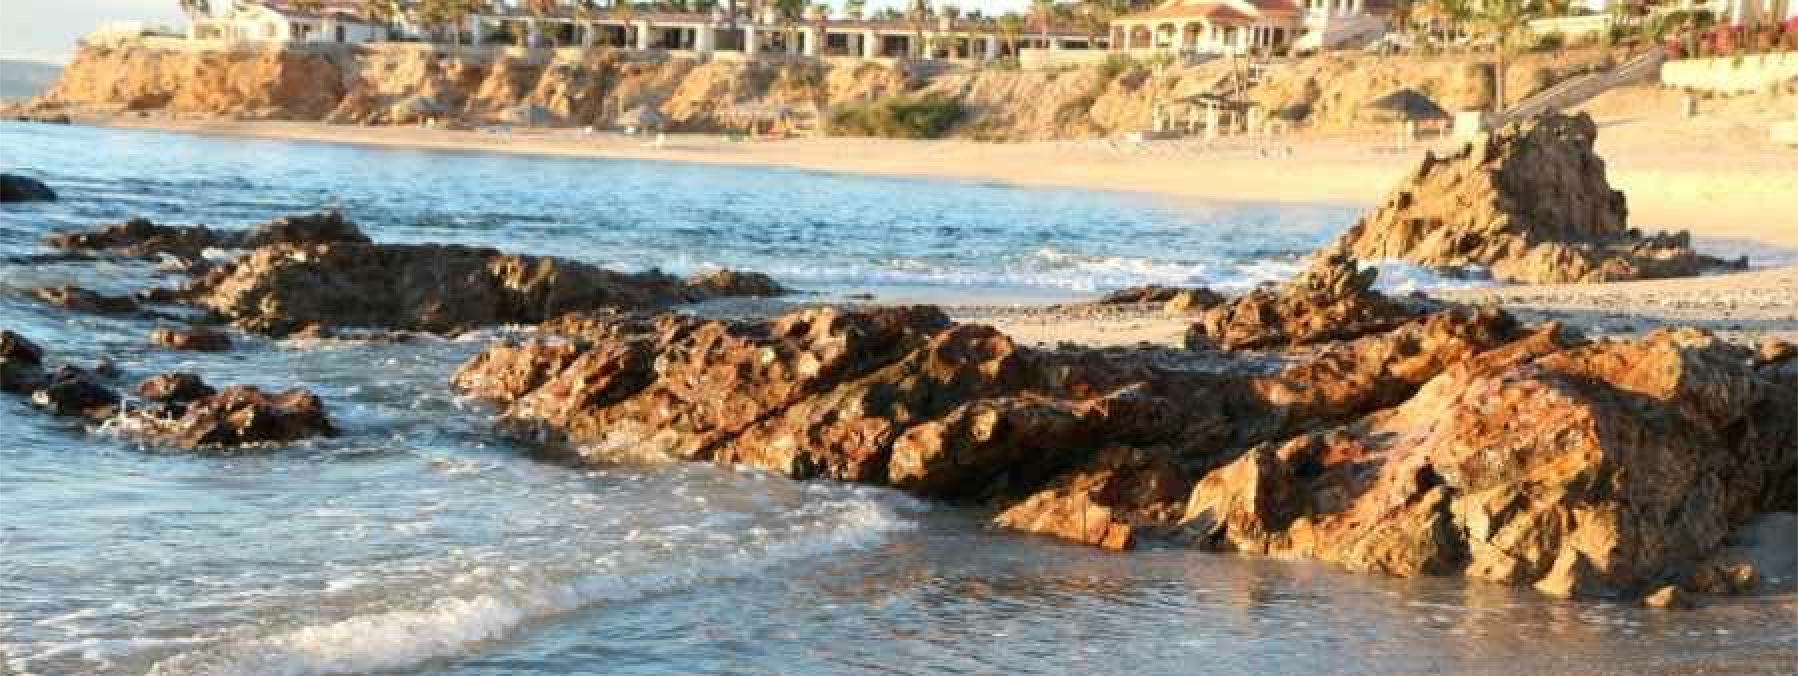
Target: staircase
x,y
1577,90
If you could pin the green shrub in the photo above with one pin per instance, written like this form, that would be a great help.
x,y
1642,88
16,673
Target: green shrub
x,y
897,117
1115,65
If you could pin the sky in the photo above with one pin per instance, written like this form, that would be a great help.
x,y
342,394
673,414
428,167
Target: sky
x,y
46,30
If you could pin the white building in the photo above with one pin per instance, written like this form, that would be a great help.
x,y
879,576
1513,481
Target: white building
x,y
276,21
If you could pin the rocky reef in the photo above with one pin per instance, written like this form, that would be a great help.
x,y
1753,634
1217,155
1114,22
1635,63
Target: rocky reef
x,y
1530,203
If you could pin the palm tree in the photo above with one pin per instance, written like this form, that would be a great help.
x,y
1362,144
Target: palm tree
x,y
855,8
916,14
1011,27
1095,19
379,11
1042,13
540,10
625,11
1507,23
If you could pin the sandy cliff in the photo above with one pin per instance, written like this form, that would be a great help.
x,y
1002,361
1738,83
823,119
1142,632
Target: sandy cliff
x,y
395,85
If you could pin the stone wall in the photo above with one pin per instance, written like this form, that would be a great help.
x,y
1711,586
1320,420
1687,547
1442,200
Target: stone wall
x,y
1731,74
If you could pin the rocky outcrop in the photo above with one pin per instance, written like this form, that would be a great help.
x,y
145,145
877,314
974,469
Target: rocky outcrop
x,y
1530,203
15,188
141,238
284,288
1579,469
1331,300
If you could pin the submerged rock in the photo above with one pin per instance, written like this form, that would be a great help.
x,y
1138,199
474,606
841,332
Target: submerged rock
x,y
1531,203
174,388
15,188
78,299
1331,300
195,339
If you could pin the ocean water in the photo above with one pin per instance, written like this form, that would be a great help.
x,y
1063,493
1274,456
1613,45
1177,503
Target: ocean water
x,y
420,543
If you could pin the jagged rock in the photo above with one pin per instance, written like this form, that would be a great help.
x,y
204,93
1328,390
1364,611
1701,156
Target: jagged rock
x,y
1531,203
15,188
733,283
1191,301
1333,299
195,339
1772,352
85,300
72,392
174,388
418,287
1582,470
1106,502
139,237
232,417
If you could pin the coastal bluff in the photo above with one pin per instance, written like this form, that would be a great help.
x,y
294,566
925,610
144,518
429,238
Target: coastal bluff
x,y
404,84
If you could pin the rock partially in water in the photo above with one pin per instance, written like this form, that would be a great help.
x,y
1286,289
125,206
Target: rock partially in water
x,y
19,348
235,416
734,284
139,237
1333,299
1107,502
1582,470
15,188
174,388
1667,598
69,391
78,299
197,339
1531,203
436,288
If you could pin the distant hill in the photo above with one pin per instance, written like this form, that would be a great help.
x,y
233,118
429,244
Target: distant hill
x,y
20,80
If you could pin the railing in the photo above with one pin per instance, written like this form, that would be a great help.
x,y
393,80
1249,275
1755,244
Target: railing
x,y
1580,89
1573,26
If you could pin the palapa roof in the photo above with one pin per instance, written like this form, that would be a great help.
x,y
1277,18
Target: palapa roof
x,y
1409,104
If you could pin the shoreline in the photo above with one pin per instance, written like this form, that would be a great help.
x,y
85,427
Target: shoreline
x,y
1716,192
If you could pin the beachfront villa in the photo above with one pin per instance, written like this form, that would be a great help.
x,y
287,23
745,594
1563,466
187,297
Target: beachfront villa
x,y
1243,26
1193,28
333,21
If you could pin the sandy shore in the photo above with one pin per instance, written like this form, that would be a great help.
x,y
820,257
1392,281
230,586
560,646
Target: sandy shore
x,y
1717,175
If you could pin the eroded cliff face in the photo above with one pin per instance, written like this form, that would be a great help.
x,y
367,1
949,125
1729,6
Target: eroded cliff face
x,y
395,85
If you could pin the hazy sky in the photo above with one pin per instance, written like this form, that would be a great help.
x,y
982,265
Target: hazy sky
x,y
46,30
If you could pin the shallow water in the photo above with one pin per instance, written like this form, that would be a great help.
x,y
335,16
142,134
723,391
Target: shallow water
x,y
418,543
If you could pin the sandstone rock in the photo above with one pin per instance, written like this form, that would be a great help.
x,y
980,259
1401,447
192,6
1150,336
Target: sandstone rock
x,y
174,388
1772,351
235,416
1106,502
1588,470
194,339
1191,301
1156,293
1668,597
1332,300
317,228
424,287
85,300
1531,203
1759,556
14,188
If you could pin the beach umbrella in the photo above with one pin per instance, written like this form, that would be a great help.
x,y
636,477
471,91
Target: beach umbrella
x,y
531,115
642,117
1408,104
